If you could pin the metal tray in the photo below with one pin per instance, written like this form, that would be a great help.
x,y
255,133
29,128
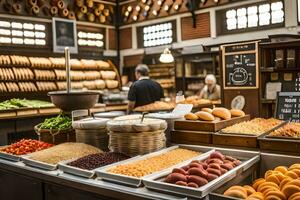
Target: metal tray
x,y
137,182
248,159
63,166
10,157
38,164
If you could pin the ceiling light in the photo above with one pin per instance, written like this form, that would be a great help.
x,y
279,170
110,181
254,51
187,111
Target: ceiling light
x,y
176,7
138,8
166,56
129,8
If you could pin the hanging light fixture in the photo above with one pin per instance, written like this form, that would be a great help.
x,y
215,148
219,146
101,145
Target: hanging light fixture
x,y
166,56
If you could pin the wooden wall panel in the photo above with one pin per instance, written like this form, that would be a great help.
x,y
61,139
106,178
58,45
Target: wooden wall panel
x,y
126,38
202,29
132,61
112,40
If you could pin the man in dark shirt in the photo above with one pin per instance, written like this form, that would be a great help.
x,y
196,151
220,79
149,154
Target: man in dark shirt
x,y
144,91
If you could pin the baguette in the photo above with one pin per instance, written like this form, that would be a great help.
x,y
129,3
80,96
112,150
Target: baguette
x,y
202,115
222,113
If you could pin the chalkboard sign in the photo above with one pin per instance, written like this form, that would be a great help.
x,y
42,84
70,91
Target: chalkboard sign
x,y
288,106
240,66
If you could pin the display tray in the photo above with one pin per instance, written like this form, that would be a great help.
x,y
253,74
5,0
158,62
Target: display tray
x,y
63,166
206,125
279,144
239,139
10,157
267,162
191,137
34,163
248,159
135,181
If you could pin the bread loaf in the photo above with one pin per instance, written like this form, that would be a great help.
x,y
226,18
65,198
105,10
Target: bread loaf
x,y
209,110
237,113
202,115
222,113
191,116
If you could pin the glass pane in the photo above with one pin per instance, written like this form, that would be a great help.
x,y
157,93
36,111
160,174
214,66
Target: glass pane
x,y
242,22
252,10
5,24
277,17
230,14
4,32
298,10
264,8
264,19
252,20
241,12
277,6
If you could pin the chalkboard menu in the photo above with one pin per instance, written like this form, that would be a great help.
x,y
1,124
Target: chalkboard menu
x,y
288,106
240,65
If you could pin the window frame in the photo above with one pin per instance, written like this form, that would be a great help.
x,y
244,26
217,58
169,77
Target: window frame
x,y
140,34
222,24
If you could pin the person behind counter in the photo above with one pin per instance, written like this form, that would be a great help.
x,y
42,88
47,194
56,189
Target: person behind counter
x,y
144,91
211,90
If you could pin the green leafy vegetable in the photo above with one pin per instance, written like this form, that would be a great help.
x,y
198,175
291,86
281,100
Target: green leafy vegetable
x,y
59,122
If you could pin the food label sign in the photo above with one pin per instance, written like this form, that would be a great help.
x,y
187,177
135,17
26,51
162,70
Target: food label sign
x,y
288,106
240,66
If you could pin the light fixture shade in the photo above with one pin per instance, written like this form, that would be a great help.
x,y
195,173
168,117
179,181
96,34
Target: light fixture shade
x,y
166,56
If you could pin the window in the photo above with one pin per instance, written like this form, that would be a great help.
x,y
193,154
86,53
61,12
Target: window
x,y
159,34
90,39
22,33
261,15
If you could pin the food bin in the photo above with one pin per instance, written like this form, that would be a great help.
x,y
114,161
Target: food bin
x,y
90,130
267,162
54,136
248,158
136,181
170,119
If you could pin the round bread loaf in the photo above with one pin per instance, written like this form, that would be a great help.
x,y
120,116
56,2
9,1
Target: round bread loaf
x,y
191,116
237,113
209,110
222,113
202,115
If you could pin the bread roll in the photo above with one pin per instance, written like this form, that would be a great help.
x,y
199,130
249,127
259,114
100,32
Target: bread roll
x,y
202,115
222,113
209,110
237,113
191,116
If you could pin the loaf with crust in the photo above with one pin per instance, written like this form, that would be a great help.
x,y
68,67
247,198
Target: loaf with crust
x,y
222,113
202,115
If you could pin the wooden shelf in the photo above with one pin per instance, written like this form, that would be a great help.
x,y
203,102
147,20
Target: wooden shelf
x,y
272,69
268,101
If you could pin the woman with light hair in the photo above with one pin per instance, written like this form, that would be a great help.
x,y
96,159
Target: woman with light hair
x,y
211,90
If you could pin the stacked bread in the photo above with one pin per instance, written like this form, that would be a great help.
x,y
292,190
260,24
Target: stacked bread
x,y
46,86
27,87
12,87
278,184
108,75
4,60
23,73
6,74
44,74
40,62
19,60
57,62
88,64
3,87
102,64
216,114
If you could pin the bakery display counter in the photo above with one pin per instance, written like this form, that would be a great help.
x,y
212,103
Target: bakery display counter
x,y
57,184
285,138
276,172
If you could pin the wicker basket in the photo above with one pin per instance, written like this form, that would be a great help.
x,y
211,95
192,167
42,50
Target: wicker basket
x,y
55,136
133,144
94,137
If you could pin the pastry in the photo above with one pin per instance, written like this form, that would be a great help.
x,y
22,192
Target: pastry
x,y
222,113
191,116
237,113
209,110
205,116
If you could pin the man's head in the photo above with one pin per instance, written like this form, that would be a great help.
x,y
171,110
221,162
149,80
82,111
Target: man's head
x,y
141,70
210,80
